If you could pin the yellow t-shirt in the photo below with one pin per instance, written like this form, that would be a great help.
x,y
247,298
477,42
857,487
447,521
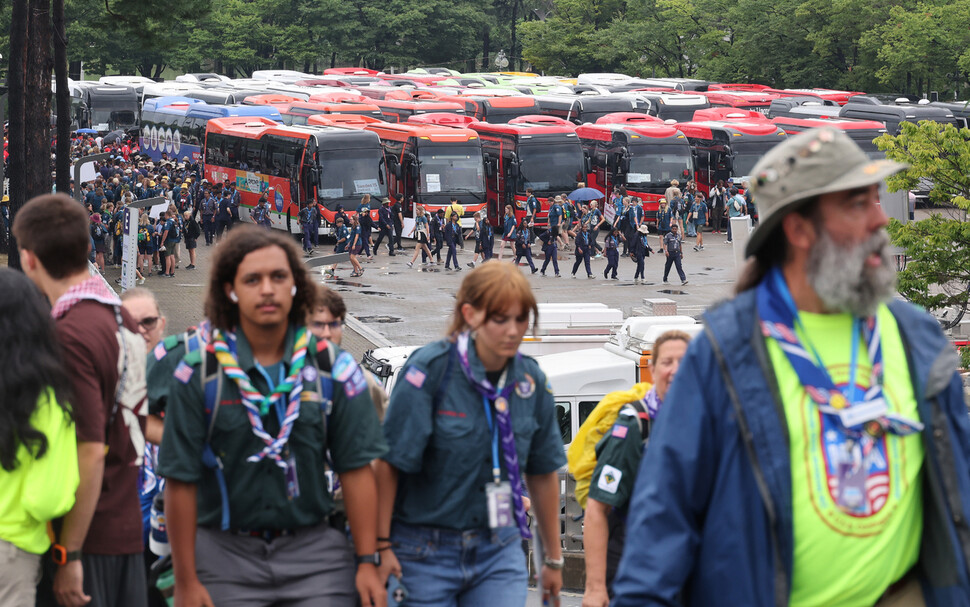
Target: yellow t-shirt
x,y
843,559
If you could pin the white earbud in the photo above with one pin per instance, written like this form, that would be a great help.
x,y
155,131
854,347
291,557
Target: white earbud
x,y
293,291
233,297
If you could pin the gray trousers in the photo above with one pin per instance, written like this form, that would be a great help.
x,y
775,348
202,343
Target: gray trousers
x,y
314,567
19,574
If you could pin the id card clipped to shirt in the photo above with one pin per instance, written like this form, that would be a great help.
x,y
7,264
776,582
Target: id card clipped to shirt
x,y
499,500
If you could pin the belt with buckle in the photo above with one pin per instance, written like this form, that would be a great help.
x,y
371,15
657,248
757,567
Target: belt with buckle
x,y
267,535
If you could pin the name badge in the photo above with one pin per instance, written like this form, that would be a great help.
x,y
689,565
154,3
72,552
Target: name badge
x,y
862,412
499,496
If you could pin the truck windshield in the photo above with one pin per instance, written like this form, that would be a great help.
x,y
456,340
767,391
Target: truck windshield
x,y
451,169
550,167
656,165
351,173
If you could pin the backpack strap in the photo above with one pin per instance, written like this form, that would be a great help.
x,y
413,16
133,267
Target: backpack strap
x,y
639,408
212,377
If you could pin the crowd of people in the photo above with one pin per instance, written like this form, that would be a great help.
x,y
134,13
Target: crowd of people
x,y
823,460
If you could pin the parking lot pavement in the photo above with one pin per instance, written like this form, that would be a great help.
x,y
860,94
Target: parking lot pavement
x,y
398,305
412,306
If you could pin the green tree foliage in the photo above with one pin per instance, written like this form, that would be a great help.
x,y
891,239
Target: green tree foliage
x,y
904,45
937,275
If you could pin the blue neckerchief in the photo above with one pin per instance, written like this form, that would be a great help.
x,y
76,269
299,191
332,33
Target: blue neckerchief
x,y
780,320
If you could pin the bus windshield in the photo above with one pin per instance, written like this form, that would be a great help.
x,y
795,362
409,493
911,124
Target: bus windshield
x,y
451,169
864,140
113,118
656,165
503,115
351,173
746,155
550,167
680,113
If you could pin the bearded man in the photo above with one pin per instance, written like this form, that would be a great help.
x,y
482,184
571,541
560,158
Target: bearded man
x,y
825,459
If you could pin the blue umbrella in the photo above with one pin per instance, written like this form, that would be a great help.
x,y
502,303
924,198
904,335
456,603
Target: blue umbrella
x,y
584,194
87,131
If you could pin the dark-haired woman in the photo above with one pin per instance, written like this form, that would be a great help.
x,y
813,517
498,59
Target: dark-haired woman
x,y
356,244
38,448
470,420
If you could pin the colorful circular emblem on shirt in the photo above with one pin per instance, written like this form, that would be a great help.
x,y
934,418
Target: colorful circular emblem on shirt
x,y
838,401
501,405
526,387
309,374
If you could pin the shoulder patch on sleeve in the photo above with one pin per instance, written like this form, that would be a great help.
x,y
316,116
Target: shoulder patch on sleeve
x,y
415,377
159,351
344,367
183,372
609,480
193,358
619,431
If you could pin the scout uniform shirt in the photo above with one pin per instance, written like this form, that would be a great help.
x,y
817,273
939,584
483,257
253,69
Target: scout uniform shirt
x,y
440,442
618,456
257,491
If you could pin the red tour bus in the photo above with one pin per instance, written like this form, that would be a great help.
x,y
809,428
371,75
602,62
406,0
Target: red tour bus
x,y
428,164
642,157
537,151
351,71
297,113
349,121
323,165
396,110
728,148
275,99
338,97
495,109
860,131
758,101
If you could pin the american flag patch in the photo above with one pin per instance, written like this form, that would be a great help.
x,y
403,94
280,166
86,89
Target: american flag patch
x,y
415,377
619,431
183,372
159,351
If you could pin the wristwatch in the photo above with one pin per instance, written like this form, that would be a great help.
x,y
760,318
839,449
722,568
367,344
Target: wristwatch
x,y
554,563
61,556
369,559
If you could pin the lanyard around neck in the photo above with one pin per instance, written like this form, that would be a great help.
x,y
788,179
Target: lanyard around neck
x,y
851,390
493,430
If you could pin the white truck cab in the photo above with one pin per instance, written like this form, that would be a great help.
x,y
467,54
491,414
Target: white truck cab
x,y
581,367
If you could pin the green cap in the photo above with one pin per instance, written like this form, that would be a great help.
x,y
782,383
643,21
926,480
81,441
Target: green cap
x,y
811,163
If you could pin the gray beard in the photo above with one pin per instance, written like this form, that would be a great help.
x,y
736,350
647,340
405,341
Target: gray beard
x,y
842,280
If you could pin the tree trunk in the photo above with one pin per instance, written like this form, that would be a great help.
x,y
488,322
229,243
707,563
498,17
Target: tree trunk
x,y
16,160
37,114
485,49
63,102
515,53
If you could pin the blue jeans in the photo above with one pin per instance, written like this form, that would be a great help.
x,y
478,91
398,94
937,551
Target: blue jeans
x,y
446,568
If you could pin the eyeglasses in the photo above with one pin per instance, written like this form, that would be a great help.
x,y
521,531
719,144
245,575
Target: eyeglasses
x,y
332,325
148,323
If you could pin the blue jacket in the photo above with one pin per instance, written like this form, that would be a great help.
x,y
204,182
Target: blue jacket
x,y
711,517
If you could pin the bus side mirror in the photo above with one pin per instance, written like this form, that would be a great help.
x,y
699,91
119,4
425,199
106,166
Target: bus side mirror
x,y
623,161
514,168
490,166
586,163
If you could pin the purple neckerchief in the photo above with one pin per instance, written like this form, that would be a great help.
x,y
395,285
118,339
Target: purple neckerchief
x,y
504,421
653,402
